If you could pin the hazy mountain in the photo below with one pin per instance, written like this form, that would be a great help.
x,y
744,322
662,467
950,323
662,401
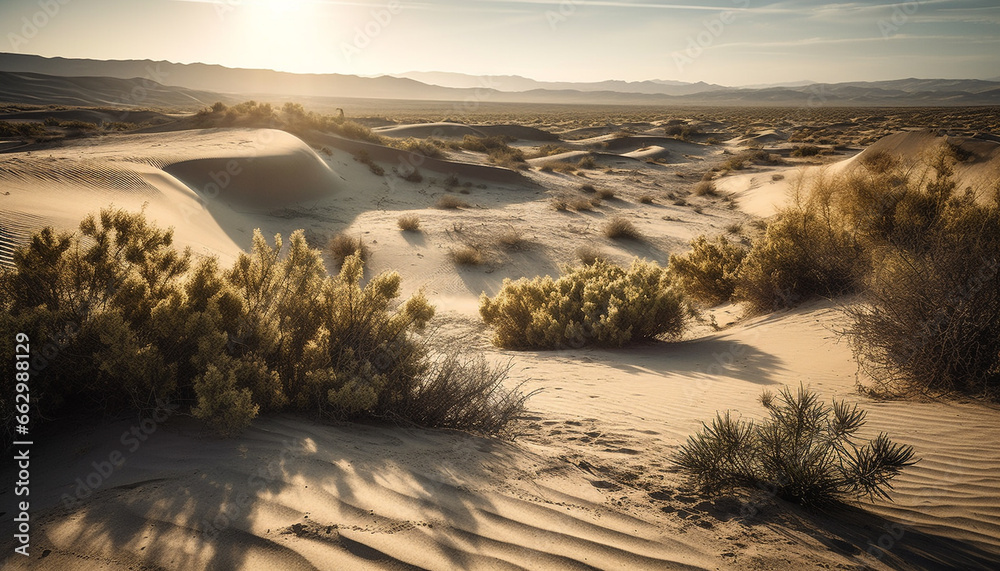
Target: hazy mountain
x,y
38,89
516,83
197,84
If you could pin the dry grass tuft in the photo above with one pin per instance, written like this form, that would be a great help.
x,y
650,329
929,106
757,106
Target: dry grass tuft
x,y
449,202
621,228
343,245
409,222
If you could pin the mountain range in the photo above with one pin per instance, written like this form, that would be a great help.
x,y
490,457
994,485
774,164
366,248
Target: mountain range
x,y
191,84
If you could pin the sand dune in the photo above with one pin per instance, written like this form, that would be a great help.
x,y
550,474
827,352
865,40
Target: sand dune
x,y
588,485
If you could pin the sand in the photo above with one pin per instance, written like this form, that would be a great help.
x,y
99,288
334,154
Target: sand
x,y
587,485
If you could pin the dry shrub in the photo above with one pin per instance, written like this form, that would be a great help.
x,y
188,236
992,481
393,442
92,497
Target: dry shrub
x,y
646,199
512,239
557,166
449,202
805,451
599,304
606,193
590,255
409,222
705,188
708,273
584,204
467,255
621,228
587,162
342,245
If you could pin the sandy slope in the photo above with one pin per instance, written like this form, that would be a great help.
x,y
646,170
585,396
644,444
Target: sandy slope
x,y
588,485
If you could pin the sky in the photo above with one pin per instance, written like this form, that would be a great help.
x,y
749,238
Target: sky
x,y
728,42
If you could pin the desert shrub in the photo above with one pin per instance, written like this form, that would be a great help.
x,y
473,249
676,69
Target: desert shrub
x,y
606,193
646,199
557,166
708,273
587,162
548,150
508,157
409,222
801,255
449,202
584,204
466,392
599,304
930,319
621,228
805,151
777,176
342,245
467,255
559,204
805,451
485,144
411,175
590,255
364,158
133,323
424,147
512,239
705,188
588,188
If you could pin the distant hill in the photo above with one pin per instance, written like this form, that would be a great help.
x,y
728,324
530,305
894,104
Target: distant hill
x,y
199,84
516,83
39,89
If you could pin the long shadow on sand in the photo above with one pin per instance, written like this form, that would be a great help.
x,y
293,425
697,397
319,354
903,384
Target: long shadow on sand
x,y
849,530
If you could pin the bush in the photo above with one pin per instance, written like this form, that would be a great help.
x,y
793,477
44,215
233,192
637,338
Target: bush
x,y
557,166
599,304
409,223
428,148
801,255
705,188
364,158
590,255
343,245
621,228
930,319
412,175
806,151
606,193
806,451
708,273
587,162
134,324
646,199
512,239
449,202
467,255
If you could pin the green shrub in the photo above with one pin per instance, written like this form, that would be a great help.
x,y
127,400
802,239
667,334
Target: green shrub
x,y
805,451
708,273
132,323
599,304
801,255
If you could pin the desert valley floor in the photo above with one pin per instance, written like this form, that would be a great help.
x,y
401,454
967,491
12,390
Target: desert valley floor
x,y
588,483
